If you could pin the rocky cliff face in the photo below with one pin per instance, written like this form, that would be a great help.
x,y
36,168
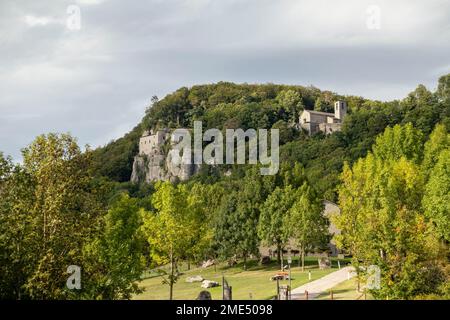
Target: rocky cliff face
x,y
155,163
159,168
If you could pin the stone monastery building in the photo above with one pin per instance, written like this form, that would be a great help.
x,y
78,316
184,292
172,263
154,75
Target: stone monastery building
x,y
315,121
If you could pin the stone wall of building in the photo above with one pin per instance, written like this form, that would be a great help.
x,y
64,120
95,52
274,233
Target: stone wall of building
x,y
150,141
154,163
329,128
315,121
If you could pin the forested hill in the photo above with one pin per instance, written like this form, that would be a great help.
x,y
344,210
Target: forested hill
x,y
229,105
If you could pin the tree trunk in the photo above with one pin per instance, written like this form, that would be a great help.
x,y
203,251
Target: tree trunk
x,y
279,254
171,275
45,231
303,258
245,261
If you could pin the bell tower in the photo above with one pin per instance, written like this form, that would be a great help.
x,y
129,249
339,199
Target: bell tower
x,y
340,110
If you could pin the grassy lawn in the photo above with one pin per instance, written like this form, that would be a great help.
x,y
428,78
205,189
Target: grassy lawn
x,y
253,283
345,291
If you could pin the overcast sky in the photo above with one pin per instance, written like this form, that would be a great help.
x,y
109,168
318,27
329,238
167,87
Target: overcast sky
x,y
96,81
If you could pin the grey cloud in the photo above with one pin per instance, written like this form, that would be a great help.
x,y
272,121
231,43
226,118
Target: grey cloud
x,y
96,83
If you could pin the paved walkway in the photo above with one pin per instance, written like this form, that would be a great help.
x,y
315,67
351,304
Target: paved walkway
x,y
325,283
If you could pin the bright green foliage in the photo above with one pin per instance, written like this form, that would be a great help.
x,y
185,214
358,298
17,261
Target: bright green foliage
x,y
437,195
439,140
201,201
173,228
64,211
293,175
17,236
399,141
382,225
118,249
48,211
52,217
382,220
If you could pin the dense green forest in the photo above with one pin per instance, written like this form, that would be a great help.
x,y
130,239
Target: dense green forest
x,y
388,169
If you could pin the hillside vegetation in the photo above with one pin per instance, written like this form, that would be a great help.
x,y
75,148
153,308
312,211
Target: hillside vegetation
x,y
228,105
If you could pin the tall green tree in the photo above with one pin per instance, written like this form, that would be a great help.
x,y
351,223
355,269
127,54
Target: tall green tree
x,y
399,141
18,238
236,230
443,89
308,225
114,260
170,229
382,222
438,141
273,226
202,200
64,212
49,209
436,200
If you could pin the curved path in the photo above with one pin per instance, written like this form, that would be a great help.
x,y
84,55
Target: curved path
x,y
325,283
